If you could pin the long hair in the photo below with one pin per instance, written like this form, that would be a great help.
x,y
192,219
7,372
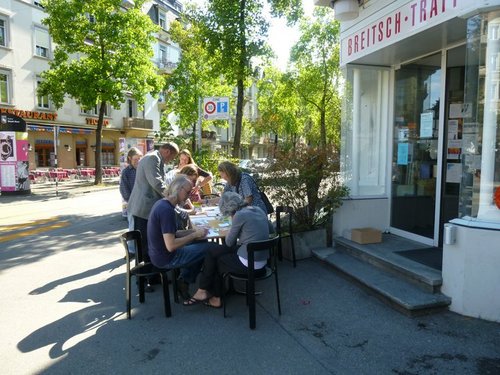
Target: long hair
x,y
231,170
131,153
188,154
189,170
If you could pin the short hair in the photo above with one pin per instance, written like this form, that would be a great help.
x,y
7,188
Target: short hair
x,y
188,154
189,170
230,202
231,170
175,186
132,152
171,146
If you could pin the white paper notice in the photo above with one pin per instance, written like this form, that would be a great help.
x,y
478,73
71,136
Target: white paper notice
x,y
452,129
453,172
426,121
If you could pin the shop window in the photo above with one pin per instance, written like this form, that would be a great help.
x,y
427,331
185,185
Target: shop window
x,y
44,155
480,188
42,42
365,119
4,31
42,101
5,86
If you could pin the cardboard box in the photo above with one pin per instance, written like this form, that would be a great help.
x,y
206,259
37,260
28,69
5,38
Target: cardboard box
x,y
366,235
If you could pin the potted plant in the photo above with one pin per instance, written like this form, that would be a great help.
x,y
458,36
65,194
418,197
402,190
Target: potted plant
x,y
308,180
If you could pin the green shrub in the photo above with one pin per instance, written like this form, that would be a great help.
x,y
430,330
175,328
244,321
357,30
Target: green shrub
x,y
307,179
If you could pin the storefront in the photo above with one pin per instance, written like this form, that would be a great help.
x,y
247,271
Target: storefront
x,y
72,144
420,135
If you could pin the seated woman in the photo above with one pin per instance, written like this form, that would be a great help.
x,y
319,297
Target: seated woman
x,y
169,247
241,183
249,224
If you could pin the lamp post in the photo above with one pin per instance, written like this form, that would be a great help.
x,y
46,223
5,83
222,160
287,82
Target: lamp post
x,y
56,141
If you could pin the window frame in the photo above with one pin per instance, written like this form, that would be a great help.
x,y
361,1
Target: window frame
x,y
95,111
38,46
6,30
8,84
162,16
42,102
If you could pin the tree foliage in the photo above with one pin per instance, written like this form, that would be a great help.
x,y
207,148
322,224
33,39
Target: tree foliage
x,y
236,31
194,77
279,107
316,77
102,53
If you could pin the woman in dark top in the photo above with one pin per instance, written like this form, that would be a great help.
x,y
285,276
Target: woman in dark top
x,y
127,181
242,184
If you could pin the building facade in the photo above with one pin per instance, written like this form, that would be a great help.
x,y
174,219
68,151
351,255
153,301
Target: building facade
x,y
420,135
67,135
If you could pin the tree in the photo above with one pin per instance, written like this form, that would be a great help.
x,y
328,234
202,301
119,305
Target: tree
x,y
194,77
316,74
102,53
279,108
236,31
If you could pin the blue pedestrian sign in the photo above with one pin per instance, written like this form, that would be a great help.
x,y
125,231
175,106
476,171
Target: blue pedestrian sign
x,y
216,108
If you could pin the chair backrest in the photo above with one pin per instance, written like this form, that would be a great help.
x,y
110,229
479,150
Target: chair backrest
x,y
283,210
133,235
264,245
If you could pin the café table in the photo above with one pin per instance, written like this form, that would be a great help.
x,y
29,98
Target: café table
x,y
209,217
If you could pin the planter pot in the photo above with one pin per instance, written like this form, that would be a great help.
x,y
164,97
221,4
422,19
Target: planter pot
x,y
304,243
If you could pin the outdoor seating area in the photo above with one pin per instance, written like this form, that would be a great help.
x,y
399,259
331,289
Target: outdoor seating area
x,y
41,175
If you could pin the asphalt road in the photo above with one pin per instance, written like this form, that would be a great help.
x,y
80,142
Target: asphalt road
x,y
63,312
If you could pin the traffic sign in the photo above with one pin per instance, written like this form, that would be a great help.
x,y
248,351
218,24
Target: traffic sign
x,y
216,108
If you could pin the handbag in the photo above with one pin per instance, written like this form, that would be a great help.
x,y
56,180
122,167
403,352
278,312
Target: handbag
x,y
265,199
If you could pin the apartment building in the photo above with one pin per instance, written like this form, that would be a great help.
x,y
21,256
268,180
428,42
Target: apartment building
x,y
69,132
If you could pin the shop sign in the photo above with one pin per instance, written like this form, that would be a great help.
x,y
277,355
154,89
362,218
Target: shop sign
x,y
397,24
94,121
32,115
12,123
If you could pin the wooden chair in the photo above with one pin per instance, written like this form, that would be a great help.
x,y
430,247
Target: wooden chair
x,y
283,233
143,270
250,278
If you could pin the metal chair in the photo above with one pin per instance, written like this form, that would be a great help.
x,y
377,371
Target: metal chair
x,y
250,278
282,233
143,270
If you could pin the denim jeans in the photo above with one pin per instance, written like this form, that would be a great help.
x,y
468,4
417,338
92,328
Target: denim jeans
x,y
190,259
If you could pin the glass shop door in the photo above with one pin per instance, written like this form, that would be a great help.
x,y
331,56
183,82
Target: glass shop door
x,y
418,88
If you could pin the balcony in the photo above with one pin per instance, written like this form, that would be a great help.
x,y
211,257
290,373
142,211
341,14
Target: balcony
x,y
137,123
166,66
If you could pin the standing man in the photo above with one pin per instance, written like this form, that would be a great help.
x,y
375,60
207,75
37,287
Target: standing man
x,y
149,186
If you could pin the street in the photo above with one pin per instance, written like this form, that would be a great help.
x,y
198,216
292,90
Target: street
x,y
63,311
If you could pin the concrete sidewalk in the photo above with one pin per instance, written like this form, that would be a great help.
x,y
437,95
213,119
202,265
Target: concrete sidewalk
x,y
63,312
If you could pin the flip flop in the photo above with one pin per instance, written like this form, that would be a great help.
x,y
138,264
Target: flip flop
x,y
207,303
193,301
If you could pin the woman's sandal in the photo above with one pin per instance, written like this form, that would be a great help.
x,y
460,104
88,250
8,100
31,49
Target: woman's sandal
x,y
191,301
209,304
